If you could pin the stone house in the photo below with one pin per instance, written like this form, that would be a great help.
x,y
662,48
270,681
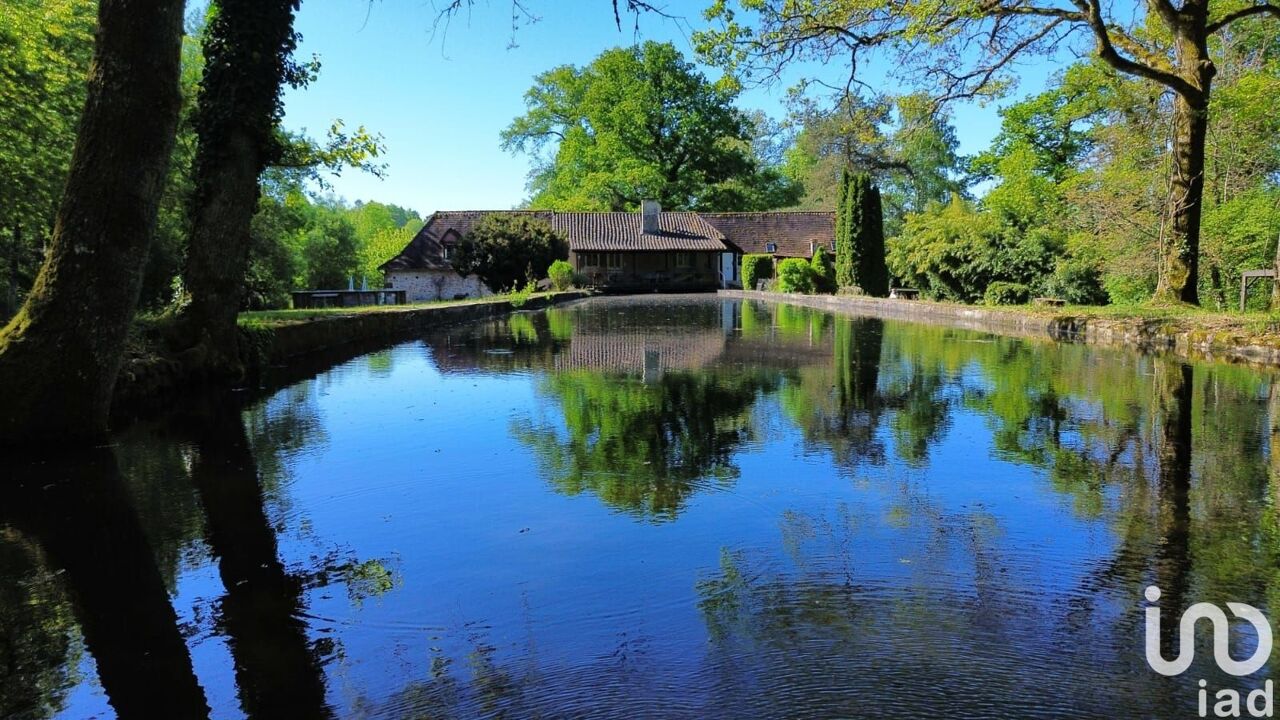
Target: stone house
x,y
650,250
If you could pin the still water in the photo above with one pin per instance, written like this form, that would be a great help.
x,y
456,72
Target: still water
x,y
678,507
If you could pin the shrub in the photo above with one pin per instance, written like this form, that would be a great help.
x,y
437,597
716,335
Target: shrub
x,y
1077,282
795,275
561,275
824,271
518,297
756,268
1006,293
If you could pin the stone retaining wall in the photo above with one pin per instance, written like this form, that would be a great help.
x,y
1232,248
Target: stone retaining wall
x,y
1181,337
147,384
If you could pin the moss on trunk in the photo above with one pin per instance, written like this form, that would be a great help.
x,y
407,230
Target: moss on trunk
x,y
60,354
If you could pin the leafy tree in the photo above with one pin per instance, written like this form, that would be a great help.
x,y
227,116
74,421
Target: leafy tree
x,y
506,250
967,50
60,354
248,49
45,49
330,251
640,123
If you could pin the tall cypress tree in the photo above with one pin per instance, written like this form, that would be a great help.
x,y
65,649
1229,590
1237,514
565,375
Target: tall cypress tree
x,y
848,222
873,272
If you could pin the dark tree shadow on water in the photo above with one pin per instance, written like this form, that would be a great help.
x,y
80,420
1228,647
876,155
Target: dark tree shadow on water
x,y
77,510
278,671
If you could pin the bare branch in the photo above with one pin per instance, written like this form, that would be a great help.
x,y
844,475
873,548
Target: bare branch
x,y
1265,8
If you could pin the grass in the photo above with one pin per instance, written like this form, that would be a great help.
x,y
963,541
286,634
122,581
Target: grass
x,y
275,318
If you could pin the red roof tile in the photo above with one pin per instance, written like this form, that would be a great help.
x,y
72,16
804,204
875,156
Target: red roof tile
x,y
793,233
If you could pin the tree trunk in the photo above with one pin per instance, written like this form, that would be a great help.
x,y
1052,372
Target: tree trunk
x,y
1179,278
15,262
1275,281
60,354
247,57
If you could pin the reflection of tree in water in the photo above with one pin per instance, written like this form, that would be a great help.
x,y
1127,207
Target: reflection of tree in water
x,y
954,630
278,671
79,512
644,448
38,644
837,405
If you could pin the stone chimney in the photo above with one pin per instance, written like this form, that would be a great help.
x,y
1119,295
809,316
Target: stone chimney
x,y
649,210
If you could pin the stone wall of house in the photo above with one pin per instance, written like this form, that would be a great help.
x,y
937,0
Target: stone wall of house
x,y
424,285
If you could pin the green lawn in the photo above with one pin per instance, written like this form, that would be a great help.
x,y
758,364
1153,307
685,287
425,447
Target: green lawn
x,y
273,318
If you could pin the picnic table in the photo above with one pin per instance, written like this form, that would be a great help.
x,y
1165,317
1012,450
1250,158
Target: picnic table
x,y
1048,302
903,293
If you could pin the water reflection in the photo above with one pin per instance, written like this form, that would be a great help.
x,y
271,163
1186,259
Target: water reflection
x,y
667,507
78,512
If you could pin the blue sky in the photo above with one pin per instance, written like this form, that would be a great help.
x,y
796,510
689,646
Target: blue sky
x,y
440,101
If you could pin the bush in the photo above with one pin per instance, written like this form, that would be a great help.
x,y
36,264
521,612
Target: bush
x,y
1077,282
795,275
518,297
561,275
1006,293
756,268
824,271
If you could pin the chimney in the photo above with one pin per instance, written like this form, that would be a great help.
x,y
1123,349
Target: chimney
x,y
649,210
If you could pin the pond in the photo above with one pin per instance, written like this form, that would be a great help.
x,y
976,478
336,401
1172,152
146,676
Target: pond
x,y
655,507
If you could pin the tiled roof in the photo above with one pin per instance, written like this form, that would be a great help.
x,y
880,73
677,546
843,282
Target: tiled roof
x,y
794,233
426,250
624,231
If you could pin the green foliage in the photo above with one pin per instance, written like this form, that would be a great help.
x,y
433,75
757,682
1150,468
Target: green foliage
x,y
906,143
561,274
520,296
641,123
848,220
823,271
504,250
330,253
756,267
860,251
795,275
45,50
1006,293
873,273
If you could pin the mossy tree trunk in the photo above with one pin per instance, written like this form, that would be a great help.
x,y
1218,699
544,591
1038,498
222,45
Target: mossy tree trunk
x,y
1179,276
60,354
247,50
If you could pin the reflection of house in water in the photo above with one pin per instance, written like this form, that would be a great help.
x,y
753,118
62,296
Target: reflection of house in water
x,y
647,354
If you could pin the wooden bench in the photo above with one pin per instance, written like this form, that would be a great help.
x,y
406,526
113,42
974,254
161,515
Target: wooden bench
x,y
1048,302
903,293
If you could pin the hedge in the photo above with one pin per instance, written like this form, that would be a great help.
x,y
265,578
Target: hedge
x,y
754,268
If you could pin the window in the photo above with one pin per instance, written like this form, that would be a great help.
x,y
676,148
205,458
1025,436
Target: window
x,y
771,247
684,259
448,252
613,260
831,246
